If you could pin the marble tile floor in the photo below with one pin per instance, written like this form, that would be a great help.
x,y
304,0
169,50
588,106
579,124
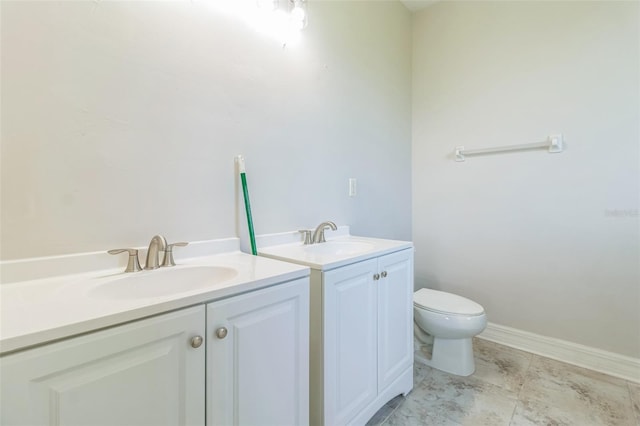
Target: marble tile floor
x,y
513,388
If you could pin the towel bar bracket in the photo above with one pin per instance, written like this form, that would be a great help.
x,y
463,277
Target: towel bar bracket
x,y
555,143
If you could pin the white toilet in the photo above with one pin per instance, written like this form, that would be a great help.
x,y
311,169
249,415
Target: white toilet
x,y
450,322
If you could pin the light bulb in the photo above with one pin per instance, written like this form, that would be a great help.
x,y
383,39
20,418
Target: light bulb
x,y
296,25
298,14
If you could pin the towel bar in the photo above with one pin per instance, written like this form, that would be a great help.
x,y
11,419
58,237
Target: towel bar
x,y
553,144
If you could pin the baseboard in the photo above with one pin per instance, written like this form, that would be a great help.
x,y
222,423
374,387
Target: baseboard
x,y
609,363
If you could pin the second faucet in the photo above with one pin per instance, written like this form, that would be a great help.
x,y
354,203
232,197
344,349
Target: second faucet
x,y
318,235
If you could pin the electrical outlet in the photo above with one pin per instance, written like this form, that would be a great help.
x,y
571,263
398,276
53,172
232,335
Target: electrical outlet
x,y
353,189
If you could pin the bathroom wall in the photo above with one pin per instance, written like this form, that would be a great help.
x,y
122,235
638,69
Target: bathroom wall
x,y
548,243
121,120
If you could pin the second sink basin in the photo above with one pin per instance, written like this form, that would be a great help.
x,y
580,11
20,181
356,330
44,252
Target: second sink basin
x,y
161,282
325,255
338,248
333,253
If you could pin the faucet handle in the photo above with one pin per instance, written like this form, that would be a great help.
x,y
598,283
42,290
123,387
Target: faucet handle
x,y
133,264
306,233
168,253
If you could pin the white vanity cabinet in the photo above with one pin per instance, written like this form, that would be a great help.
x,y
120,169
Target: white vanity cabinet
x,y
177,368
258,358
366,327
143,373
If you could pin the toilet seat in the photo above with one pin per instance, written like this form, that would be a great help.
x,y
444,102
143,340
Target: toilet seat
x,y
446,303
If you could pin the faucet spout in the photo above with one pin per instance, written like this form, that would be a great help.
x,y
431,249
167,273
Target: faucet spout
x,y
158,243
318,235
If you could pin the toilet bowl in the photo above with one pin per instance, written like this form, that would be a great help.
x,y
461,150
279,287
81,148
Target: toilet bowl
x,y
449,322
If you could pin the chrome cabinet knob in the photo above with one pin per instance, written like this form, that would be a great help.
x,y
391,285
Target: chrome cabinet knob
x,y
221,333
196,342
376,277
383,274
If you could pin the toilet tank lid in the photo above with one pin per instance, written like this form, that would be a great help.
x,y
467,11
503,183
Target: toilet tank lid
x,y
441,301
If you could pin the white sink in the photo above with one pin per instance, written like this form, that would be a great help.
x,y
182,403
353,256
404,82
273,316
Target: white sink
x,y
338,248
333,253
161,282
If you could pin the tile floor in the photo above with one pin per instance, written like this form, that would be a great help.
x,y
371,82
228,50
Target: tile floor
x,y
514,388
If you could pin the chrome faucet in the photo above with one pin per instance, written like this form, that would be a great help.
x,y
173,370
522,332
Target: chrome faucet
x,y
158,243
318,235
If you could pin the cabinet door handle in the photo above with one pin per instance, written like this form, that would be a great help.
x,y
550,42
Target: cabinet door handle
x,y
221,333
196,342
376,277
383,274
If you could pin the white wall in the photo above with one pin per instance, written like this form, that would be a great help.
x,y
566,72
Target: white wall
x,y
548,243
121,120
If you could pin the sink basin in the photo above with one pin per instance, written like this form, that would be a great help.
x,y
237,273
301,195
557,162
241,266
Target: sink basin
x,y
338,248
161,282
334,253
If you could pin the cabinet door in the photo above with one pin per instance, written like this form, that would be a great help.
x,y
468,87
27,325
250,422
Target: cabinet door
x,y
142,373
258,357
395,316
350,300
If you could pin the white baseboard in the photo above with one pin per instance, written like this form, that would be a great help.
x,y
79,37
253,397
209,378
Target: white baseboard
x,y
609,363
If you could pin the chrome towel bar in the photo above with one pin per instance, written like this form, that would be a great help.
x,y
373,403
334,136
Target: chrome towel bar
x,y
553,143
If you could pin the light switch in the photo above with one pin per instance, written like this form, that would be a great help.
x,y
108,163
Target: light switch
x,y
353,190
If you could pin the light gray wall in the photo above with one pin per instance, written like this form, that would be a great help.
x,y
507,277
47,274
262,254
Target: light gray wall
x,y
121,120
548,243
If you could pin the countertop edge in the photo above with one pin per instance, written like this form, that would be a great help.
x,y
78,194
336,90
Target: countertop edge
x,y
391,247
18,343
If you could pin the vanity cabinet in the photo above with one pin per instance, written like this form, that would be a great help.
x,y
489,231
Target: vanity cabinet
x,y
364,315
155,371
142,373
258,358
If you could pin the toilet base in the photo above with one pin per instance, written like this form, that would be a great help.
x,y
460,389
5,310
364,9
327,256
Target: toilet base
x,y
453,356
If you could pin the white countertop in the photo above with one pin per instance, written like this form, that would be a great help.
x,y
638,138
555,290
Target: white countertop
x,y
42,310
315,256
